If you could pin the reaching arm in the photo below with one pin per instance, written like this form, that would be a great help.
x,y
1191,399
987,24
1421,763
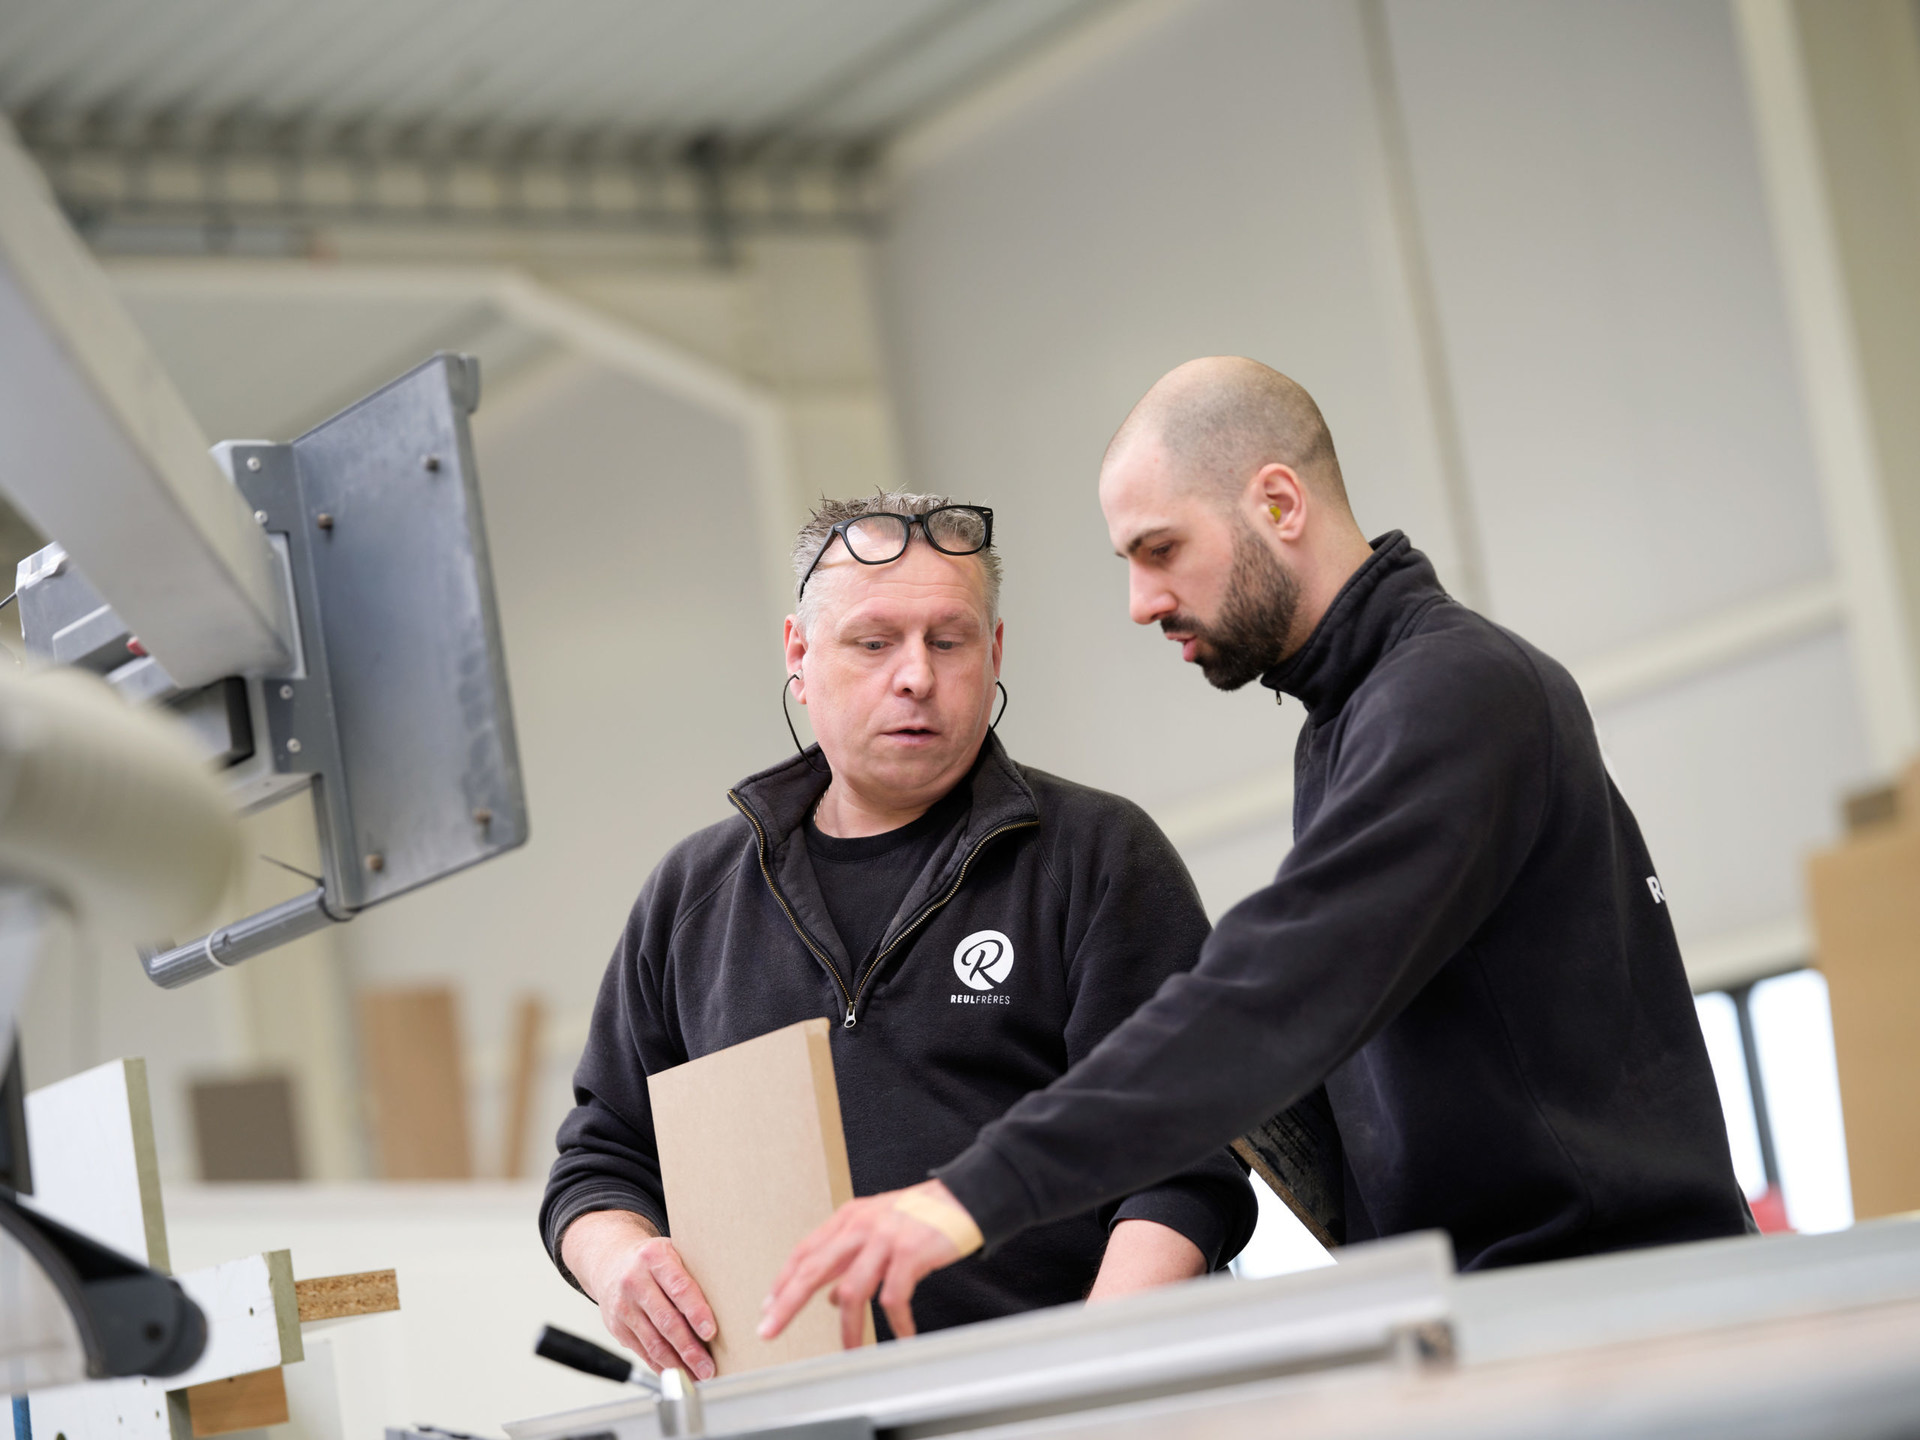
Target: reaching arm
x,y
1134,918
1430,812
1432,806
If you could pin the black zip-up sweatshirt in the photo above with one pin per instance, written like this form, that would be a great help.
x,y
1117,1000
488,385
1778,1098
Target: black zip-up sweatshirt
x,y
1467,947
1064,907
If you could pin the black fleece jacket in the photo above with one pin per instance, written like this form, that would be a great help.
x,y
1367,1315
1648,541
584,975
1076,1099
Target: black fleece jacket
x,y
1044,918
1467,947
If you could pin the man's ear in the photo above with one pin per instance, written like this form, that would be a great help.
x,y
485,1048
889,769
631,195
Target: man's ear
x,y
1279,498
794,640
999,637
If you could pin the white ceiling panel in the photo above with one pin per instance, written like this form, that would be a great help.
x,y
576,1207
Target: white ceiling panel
x,y
833,68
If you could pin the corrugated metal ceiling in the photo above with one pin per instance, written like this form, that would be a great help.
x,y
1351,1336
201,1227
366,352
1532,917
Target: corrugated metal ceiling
x,y
488,73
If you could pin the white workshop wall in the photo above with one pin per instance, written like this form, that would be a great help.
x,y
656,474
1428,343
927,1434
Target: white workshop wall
x,y
1613,315
1209,179
1611,309
1212,187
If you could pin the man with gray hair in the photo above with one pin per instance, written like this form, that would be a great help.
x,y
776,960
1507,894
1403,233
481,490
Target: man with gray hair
x,y
973,927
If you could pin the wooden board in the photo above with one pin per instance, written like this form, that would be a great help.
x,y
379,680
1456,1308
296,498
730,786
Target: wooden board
x,y
243,1402
1297,1153
244,1129
94,1165
335,1297
520,1082
1866,914
410,1042
753,1157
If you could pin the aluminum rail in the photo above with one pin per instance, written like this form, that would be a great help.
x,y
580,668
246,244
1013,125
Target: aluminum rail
x,y
1846,1375
1783,1336
1384,1302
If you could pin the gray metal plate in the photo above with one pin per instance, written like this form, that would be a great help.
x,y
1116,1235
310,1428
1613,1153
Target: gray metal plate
x,y
410,635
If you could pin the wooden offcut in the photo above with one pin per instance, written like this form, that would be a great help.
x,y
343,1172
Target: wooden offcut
x,y
753,1157
520,1082
1297,1154
1866,915
246,1402
410,1040
244,1128
335,1297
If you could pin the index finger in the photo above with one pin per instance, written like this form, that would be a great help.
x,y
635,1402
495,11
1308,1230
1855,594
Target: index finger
x,y
812,1264
671,1275
818,1236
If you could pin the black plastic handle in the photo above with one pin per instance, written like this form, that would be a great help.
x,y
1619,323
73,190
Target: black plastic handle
x,y
571,1350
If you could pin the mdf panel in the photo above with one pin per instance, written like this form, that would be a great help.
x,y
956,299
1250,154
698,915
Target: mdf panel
x,y
411,1044
1866,910
753,1158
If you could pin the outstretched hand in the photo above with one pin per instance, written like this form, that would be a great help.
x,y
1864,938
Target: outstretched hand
x,y
886,1243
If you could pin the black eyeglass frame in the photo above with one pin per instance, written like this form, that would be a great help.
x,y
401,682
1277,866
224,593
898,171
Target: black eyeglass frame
x,y
839,532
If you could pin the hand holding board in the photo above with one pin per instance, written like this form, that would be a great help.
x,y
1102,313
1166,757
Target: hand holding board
x,y
753,1157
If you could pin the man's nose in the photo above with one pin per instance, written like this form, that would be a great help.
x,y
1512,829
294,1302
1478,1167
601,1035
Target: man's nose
x,y
913,675
1147,599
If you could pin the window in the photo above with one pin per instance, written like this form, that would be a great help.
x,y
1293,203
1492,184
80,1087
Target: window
x,y
1771,1044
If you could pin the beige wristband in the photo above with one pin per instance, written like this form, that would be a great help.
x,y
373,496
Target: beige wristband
x,y
943,1215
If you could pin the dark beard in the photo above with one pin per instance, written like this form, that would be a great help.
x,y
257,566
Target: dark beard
x,y
1256,617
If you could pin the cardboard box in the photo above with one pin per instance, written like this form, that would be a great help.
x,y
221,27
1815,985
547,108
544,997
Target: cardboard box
x,y
1866,914
753,1157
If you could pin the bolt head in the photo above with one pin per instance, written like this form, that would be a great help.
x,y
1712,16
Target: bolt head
x,y
483,816
260,517
376,862
431,462
293,746
323,520
253,462
286,692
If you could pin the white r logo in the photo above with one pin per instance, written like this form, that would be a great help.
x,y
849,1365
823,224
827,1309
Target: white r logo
x,y
983,960
1653,884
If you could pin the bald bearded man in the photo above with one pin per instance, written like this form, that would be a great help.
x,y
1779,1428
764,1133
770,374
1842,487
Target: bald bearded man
x,y
1463,978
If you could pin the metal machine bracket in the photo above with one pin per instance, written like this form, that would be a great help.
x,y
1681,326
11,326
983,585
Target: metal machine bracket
x,y
395,709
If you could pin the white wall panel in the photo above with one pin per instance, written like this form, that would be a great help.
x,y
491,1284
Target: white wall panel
x,y
1736,775
1213,187
1232,868
1590,192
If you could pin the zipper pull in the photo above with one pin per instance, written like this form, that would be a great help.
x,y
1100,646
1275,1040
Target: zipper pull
x,y
851,1020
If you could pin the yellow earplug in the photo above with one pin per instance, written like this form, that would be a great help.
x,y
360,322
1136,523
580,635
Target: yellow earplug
x,y
1274,510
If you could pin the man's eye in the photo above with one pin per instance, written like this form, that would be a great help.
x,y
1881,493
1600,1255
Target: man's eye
x,y
873,644
1161,552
